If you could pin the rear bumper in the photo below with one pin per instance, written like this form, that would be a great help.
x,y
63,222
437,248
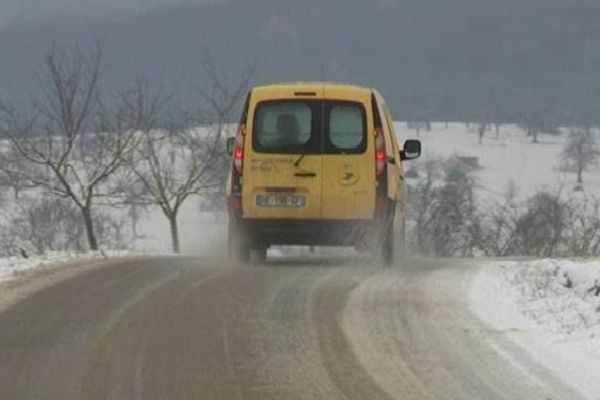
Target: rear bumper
x,y
307,232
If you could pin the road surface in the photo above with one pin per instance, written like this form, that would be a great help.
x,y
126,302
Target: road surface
x,y
318,328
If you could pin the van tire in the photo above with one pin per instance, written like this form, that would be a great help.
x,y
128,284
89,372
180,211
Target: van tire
x,y
237,244
259,255
400,238
240,253
387,249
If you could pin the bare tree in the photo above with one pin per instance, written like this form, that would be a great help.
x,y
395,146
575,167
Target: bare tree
x,y
73,141
499,225
5,181
221,100
581,150
541,228
446,221
484,119
45,224
482,127
444,209
173,164
539,119
12,162
177,162
422,202
583,234
41,224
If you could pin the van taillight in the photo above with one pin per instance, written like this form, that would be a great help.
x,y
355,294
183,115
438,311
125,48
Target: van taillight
x,y
238,152
380,156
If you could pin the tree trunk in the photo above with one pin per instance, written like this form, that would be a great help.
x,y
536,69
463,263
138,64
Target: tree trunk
x,y
481,131
174,233
133,213
89,228
534,137
579,174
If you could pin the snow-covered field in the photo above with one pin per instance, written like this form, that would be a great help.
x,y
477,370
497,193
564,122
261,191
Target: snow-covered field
x,y
509,157
551,308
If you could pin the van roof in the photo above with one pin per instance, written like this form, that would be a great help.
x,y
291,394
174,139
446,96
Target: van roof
x,y
311,86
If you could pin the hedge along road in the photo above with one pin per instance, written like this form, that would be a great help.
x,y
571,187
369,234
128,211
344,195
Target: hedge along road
x,y
322,328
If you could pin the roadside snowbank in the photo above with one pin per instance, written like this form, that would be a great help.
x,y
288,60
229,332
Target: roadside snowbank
x,y
550,309
11,268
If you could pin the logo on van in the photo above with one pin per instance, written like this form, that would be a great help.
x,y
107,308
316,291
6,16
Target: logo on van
x,y
349,178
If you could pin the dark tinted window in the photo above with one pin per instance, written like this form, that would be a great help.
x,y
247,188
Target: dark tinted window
x,y
287,127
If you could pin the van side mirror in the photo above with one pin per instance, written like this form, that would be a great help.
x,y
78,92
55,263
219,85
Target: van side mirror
x,y
230,145
412,150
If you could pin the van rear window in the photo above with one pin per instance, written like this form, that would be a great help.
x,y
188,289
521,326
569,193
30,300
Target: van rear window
x,y
346,128
309,127
287,127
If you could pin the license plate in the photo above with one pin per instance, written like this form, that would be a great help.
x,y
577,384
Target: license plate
x,y
280,200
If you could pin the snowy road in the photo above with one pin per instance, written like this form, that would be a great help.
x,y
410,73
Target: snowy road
x,y
332,328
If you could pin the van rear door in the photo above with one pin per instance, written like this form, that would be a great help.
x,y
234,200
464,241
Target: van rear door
x,y
283,166
348,184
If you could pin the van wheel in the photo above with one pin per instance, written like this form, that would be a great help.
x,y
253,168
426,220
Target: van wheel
x,y
400,237
259,255
240,252
238,246
387,245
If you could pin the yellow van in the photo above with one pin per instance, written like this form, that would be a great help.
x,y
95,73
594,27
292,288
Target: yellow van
x,y
316,164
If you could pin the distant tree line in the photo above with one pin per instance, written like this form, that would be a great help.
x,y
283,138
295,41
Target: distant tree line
x,y
446,219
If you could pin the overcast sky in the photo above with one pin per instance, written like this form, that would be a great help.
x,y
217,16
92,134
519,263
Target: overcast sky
x,y
446,58
11,9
